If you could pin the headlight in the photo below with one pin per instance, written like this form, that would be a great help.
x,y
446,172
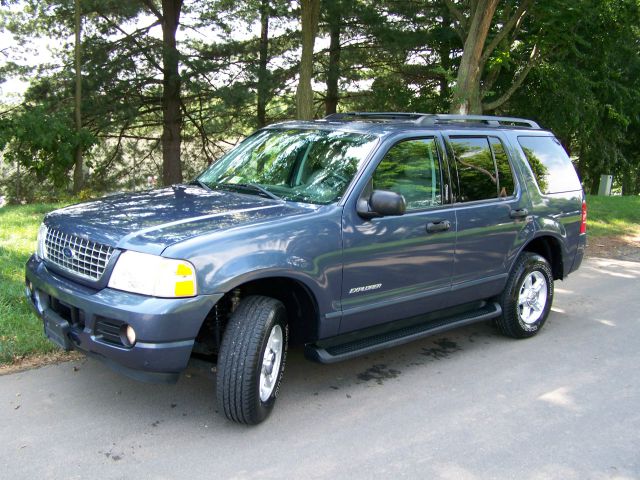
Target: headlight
x,y
41,247
153,275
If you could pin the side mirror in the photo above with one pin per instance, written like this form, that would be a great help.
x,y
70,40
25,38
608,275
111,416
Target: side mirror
x,y
382,203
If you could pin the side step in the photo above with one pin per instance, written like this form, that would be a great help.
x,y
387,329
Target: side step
x,y
344,347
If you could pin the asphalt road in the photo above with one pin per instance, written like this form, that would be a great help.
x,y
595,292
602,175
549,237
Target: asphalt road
x,y
469,404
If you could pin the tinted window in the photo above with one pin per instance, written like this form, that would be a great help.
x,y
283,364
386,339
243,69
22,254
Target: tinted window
x,y
506,185
412,169
550,164
476,169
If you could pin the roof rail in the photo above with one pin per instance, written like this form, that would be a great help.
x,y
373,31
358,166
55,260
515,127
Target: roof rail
x,y
490,120
427,119
374,116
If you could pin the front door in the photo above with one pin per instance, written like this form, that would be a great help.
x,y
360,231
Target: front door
x,y
398,266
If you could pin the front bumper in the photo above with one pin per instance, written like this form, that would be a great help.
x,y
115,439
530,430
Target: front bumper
x,y
165,328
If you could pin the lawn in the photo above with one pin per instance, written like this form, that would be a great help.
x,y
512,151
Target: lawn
x,y
613,216
21,332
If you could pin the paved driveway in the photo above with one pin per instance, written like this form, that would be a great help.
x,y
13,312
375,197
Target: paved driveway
x,y
468,404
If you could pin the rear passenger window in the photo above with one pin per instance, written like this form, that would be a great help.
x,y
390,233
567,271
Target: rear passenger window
x,y
412,169
483,168
550,164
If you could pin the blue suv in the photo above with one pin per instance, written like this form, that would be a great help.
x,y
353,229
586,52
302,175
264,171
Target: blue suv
x,y
347,235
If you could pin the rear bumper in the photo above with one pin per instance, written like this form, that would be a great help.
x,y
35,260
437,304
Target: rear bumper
x,y
577,260
165,328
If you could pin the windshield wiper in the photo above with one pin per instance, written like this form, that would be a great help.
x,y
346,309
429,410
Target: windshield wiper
x,y
201,184
254,187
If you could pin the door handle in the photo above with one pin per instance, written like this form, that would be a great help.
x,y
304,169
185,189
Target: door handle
x,y
519,213
438,226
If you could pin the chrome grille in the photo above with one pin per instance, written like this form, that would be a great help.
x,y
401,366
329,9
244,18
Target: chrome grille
x,y
87,259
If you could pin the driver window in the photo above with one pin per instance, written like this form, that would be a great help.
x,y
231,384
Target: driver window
x,y
412,169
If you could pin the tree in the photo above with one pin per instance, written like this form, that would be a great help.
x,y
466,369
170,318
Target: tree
x,y
310,14
334,22
474,81
169,18
78,174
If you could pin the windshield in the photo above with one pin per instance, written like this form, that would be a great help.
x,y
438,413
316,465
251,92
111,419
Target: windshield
x,y
311,166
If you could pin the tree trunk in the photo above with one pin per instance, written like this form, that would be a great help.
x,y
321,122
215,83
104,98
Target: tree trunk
x,y
445,62
333,72
263,81
304,94
78,174
171,108
466,98
595,184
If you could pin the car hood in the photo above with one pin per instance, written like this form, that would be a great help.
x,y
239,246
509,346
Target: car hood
x,y
151,221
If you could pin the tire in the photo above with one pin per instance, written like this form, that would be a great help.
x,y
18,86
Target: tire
x,y
527,297
248,381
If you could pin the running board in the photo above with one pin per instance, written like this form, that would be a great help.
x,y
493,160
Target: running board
x,y
345,347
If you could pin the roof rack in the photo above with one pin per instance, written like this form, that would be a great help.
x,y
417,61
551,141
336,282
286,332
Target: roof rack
x,y
337,117
426,119
490,120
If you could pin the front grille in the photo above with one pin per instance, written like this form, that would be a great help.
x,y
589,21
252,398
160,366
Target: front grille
x,y
108,331
77,255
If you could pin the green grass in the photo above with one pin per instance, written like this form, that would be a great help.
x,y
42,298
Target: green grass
x,y
613,216
20,330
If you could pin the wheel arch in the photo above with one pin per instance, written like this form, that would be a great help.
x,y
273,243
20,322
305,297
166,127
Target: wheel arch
x,y
549,247
298,298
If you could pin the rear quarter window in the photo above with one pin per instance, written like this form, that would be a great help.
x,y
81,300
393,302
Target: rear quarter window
x,y
550,164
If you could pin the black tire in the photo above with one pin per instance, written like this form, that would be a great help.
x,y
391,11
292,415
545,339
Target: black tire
x,y
240,360
514,322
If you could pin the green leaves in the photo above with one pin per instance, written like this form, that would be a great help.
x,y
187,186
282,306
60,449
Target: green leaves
x,y
43,142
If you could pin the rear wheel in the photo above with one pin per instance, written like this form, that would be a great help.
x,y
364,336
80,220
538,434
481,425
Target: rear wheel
x,y
527,298
252,359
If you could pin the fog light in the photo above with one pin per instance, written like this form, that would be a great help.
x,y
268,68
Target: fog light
x,y
128,335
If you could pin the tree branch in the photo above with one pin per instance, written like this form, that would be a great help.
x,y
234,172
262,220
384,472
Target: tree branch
x,y
150,5
511,23
457,14
142,48
519,78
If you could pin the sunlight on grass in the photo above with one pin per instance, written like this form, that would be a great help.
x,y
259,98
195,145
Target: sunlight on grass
x,y
20,330
615,216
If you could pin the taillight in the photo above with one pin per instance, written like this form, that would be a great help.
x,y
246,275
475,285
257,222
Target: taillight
x,y
583,220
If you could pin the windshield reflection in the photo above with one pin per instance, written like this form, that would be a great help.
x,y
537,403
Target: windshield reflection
x,y
311,166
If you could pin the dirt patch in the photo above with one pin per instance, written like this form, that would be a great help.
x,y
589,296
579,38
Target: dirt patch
x,y
37,361
624,247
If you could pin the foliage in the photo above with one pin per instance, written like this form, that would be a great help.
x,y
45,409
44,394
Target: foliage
x,y
573,66
43,142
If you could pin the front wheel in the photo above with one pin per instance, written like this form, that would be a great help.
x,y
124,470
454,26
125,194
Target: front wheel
x,y
527,298
252,359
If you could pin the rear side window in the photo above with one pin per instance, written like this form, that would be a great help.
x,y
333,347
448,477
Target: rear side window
x,y
484,171
411,168
550,164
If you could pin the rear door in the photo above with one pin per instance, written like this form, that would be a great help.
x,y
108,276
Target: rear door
x,y
492,213
399,266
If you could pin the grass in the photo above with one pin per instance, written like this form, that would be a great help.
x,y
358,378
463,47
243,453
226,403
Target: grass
x,y
20,330
613,216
